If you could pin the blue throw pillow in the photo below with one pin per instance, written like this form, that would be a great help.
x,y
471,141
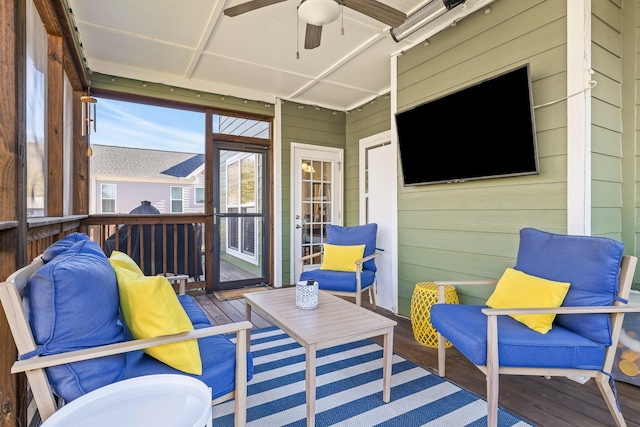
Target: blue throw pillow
x,y
356,235
73,304
590,264
62,245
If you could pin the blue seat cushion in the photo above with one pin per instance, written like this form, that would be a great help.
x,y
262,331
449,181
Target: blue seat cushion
x,y
194,312
72,303
465,326
356,235
342,281
590,264
218,356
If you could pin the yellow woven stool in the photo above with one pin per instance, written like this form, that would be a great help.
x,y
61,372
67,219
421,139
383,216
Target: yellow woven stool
x,y
424,296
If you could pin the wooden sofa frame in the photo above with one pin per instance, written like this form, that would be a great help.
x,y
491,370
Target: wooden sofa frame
x,y
11,293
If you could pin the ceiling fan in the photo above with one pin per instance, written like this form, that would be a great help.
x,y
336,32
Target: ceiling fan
x,y
317,13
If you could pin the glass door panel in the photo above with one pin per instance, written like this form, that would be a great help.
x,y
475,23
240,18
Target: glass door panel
x,y
240,232
316,207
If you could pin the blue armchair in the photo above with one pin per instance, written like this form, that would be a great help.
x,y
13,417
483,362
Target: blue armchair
x,y
347,283
583,337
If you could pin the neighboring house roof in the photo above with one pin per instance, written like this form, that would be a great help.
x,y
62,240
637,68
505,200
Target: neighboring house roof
x,y
114,161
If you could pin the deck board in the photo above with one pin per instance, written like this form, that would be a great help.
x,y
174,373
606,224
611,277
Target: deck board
x,y
557,402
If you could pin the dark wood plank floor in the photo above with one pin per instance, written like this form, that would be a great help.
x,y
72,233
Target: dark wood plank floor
x,y
555,402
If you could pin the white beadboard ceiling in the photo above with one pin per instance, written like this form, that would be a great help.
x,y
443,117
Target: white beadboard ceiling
x,y
192,44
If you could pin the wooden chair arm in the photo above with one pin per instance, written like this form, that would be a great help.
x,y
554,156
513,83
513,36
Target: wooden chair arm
x,y
441,284
40,362
306,257
367,258
182,282
563,310
466,282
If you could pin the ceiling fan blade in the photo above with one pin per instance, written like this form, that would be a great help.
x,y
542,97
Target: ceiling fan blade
x,y
312,37
376,10
249,6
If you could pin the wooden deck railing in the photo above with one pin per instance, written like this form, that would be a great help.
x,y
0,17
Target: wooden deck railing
x,y
161,244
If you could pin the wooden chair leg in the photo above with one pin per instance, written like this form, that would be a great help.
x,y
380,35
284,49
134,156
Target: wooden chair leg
x,y
372,296
240,392
493,372
442,350
609,397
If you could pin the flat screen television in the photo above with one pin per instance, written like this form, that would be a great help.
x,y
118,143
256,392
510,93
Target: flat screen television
x,y
486,130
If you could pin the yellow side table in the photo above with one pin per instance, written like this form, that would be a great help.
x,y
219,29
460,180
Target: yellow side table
x,y
424,296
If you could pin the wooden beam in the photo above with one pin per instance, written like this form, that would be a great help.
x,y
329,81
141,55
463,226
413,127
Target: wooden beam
x,y
208,201
80,160
13,208
57,23
54,127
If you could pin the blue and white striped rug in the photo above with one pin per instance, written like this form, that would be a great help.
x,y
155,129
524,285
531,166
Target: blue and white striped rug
x,y
349,390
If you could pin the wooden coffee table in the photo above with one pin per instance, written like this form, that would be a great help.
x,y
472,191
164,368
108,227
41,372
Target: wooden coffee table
x,y
335,321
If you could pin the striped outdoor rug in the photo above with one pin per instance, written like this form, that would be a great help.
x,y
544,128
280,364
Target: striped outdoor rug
x,y
349,390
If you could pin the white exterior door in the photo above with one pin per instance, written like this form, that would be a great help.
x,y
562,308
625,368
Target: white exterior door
x,y
316,190
378,180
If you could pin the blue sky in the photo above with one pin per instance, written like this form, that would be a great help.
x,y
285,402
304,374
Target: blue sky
x,y
126,124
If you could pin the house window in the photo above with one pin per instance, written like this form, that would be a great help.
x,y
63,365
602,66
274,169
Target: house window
x,y
108,198
199,196
241,198
176,199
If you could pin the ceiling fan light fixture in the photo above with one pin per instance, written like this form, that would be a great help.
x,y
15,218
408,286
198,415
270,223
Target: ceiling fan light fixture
x,y
319,12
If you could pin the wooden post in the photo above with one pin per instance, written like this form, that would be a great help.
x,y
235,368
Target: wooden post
x,y
55,111
12,193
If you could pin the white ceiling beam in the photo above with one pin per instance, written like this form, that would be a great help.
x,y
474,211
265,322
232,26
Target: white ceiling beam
x,y
204,37
335,66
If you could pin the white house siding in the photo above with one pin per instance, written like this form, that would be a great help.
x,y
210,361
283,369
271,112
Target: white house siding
x,y
130,194
189,195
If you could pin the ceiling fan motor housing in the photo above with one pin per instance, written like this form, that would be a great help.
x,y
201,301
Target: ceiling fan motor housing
x,y
319,12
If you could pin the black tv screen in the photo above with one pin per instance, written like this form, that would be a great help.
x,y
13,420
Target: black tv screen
x,y
486,130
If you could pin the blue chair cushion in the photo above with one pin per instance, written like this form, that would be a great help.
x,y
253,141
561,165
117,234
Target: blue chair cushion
x,y
218,356
356,235
73,303
217,352
518,346
194,312
342,281
590,264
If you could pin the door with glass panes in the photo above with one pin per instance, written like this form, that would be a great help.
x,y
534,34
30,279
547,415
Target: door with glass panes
x,y
317,199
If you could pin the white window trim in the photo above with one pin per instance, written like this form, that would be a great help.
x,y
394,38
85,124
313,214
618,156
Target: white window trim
x,y
195,195
171,199
253,259
115,197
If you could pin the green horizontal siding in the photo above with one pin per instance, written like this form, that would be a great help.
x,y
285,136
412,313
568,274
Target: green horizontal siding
x,y
307,126
471,230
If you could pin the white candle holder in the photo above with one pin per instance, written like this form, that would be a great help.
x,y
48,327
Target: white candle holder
x,y
307,294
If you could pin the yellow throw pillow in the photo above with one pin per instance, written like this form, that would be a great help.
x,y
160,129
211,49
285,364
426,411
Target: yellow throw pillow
x,y
516,289
124,262
150,309
341,257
